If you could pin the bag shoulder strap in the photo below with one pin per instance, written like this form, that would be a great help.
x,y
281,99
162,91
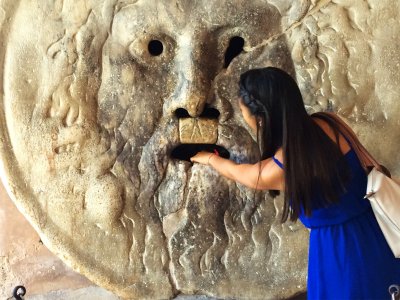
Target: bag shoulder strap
x,y
366,159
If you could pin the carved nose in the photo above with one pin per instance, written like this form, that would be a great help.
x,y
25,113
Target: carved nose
x,y
193,77
190,93
193,96
195,106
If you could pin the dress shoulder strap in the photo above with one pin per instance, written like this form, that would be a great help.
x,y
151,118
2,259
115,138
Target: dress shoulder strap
x,y
277,162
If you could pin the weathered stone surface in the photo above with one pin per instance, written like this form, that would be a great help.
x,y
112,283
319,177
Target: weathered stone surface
x,y
25,260
198,131
88,122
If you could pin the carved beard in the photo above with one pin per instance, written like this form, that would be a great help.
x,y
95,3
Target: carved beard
x,y
190,208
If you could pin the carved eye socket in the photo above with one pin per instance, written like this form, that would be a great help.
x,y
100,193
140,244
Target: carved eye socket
x,y
155,47
152,48
235,47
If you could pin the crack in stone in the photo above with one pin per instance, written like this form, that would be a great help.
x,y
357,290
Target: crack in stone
x,y
312,11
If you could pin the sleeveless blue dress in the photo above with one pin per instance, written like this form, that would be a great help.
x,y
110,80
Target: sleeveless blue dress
x,y
349,257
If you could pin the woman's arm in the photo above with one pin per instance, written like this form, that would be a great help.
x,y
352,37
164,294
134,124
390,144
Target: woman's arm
x,y
270,178
397,180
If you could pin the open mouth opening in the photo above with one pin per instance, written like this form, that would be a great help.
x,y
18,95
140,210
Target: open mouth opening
x,y
186,151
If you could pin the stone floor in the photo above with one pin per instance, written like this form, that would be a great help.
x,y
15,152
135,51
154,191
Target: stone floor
x,y
97,293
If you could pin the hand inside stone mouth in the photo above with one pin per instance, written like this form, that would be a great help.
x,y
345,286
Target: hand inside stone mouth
x,y
187,151
198,134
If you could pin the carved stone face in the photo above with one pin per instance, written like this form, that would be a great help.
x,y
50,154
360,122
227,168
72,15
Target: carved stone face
x,y
105,101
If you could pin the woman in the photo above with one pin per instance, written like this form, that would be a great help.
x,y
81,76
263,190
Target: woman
x,y
324,185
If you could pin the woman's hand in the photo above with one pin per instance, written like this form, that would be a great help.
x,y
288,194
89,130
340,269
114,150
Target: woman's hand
x,y
202,157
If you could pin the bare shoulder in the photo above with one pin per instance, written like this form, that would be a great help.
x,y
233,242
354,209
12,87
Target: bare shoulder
x,y
344,146
272,173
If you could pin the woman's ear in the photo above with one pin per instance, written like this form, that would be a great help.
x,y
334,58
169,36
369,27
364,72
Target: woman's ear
x,y
260,121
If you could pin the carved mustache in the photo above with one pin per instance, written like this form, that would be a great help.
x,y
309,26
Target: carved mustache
x,y
198,134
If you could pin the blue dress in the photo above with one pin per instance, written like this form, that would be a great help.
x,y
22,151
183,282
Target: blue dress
x,y
349,257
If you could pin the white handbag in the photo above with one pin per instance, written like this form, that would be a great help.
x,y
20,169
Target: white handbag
x,y
384,194
382,191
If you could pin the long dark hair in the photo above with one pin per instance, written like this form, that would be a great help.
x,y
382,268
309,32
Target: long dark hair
x,y
312,177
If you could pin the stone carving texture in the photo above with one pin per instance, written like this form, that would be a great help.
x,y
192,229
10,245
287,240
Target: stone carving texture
x,y
198,131
88,123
